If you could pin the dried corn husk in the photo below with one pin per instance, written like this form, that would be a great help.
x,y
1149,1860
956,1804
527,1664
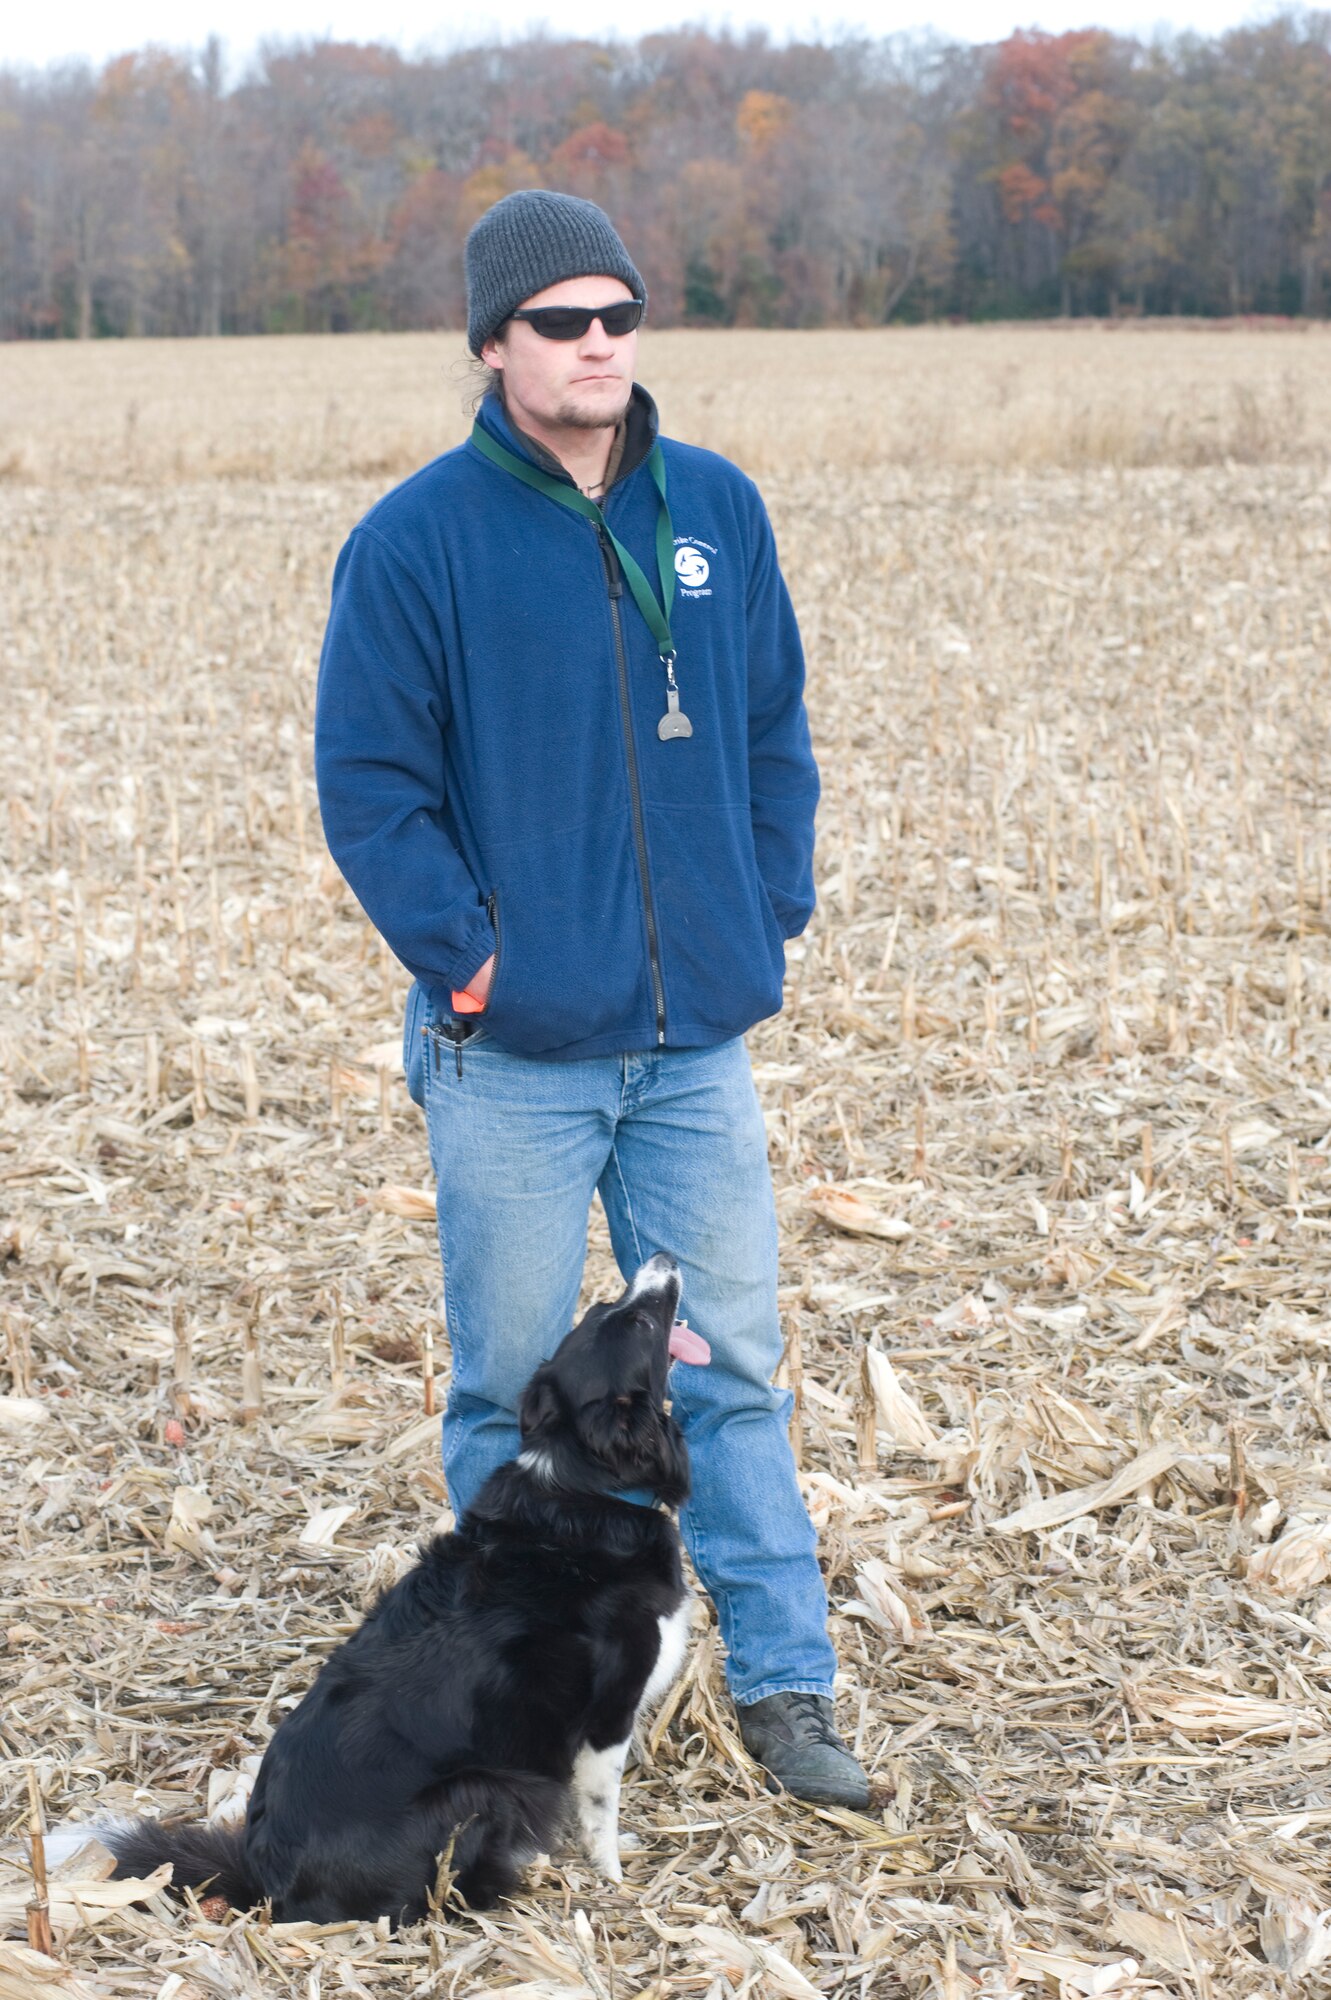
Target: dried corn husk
x,y
191,1509
1298,1562
415,1204
76,1902
22,1412
850,1212
321,1530
895,1409
31,1975
1212,1713
889,1603
1060,1507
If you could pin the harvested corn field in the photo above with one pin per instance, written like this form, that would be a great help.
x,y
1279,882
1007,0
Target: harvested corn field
x,y
1049,1119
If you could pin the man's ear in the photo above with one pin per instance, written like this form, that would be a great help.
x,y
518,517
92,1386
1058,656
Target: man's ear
x,y
541,1406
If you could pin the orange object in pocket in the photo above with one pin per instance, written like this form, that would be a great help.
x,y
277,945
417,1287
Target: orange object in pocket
x,y
467,1003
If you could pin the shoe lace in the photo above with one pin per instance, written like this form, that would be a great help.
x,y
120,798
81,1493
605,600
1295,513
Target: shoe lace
x,y
809,1720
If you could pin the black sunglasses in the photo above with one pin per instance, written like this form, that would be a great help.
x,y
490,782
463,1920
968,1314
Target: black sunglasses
x,y
572,322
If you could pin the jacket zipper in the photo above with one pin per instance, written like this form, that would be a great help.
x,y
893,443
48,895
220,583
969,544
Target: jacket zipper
x,y
615,586
492,912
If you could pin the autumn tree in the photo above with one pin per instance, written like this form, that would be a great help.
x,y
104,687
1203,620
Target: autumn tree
x,y
332,184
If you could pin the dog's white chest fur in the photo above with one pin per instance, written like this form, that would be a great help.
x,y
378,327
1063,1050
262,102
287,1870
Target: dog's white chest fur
x,y
674,1632
597,1773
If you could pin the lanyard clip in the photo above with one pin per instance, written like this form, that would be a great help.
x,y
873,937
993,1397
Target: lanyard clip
x,y
674,722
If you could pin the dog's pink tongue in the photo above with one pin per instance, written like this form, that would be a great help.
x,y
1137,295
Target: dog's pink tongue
x,y
686,1345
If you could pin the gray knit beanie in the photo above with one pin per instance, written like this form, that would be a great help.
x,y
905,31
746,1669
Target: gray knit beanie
x,y
533,239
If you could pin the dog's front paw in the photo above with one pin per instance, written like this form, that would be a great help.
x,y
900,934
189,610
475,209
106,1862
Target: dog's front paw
x,y
607,1867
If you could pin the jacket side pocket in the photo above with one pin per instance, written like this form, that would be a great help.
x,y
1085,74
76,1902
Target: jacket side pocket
x,y
415,1022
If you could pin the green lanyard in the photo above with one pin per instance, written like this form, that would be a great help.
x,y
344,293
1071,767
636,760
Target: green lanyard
x,y
674,722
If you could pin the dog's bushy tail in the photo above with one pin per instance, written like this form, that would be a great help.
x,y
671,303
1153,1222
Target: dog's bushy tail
x,y
208,1858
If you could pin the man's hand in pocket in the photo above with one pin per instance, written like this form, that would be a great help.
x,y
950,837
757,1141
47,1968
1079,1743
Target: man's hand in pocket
x,y
475,994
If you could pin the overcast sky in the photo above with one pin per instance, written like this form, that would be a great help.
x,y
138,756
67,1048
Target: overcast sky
x,y
92,29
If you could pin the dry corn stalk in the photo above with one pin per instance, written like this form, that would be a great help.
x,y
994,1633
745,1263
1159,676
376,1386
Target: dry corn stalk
x,y
866,1419
37,1907
182,1342
427,1369
251,1371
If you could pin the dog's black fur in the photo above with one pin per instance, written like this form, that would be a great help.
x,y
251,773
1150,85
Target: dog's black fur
x,y
457,1712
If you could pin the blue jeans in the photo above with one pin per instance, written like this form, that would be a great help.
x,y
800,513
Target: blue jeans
x,y
674,1140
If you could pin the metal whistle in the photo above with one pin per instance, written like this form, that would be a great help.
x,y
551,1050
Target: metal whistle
x,y
674,722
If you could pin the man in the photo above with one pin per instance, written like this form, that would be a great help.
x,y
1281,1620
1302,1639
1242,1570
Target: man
x,y
564,764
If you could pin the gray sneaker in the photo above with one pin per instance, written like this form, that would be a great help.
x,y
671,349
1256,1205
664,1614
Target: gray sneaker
x,y
794,1738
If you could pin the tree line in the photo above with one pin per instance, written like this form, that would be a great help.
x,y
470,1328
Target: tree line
x,y
331,185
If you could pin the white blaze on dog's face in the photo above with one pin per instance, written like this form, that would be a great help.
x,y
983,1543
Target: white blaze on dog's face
x,y
657,1278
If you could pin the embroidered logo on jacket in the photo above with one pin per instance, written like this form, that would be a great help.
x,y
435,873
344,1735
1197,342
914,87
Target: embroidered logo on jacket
x,y
692,567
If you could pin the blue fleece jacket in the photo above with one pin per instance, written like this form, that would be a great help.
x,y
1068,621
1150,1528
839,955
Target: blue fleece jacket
x,y
489,769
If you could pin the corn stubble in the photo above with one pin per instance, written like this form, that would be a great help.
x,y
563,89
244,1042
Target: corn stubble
x,y
1048,1117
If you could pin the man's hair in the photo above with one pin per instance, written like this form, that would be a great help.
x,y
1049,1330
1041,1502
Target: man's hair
x,y
482,379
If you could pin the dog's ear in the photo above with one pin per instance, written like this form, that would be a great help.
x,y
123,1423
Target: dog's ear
x,y
541,1406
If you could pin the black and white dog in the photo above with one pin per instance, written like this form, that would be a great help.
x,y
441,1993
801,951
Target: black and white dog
x,y
489,1698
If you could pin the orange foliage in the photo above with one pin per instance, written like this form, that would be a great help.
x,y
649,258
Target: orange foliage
x,y
762,118
1035,75
490,184
131,79
1019,190
1057,123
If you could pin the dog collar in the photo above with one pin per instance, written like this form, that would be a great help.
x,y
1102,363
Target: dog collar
x,y
637,1496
